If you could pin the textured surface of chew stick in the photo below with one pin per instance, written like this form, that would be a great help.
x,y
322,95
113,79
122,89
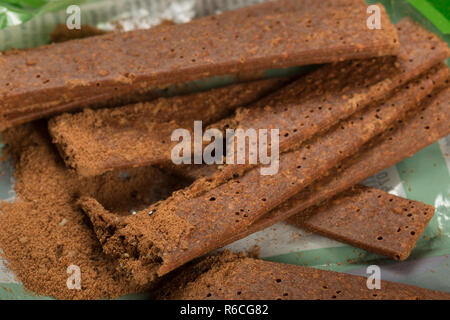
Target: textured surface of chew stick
x,y
234,277
94,141
188,224
136,60
423,127
300,110
116,97
283,6
315,102
370,219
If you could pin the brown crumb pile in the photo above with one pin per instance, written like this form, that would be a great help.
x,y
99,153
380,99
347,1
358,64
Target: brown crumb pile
x,y
47,232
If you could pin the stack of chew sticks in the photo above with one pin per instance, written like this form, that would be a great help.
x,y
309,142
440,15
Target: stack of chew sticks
x,y
380,96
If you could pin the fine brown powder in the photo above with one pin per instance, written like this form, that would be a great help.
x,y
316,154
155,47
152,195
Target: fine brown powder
x,y
46,230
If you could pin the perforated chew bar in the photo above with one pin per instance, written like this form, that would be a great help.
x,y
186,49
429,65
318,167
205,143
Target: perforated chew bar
x,y
316,102
234,277
187,225
94,140
370,219
300,110
137,60
424,126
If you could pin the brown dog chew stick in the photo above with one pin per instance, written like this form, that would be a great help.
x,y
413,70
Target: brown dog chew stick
x,y
115,98
94,140
190,224
313,104
228,276
424,126
136,60
300,110
370,219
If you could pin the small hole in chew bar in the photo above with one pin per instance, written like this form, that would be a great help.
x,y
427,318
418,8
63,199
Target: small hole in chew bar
x,y
413,233
380,238
278,280
399,229
212,199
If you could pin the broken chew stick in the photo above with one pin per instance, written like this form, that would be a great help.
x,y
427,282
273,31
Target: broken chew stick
x,y
187,225
92,142
228,276
137,60
370,219
424,126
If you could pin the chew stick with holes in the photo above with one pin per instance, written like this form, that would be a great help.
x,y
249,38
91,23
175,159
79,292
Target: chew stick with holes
x,y
189,224
228,276
87,138
300,110
35,81
370,219
424,126
337,219
116,97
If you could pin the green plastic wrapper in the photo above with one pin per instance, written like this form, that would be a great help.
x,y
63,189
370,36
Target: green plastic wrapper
x,y
16,12
424,177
